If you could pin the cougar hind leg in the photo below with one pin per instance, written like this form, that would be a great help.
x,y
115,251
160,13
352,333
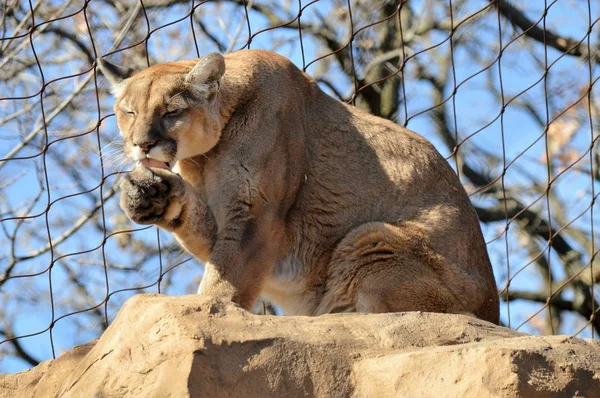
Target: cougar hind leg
x,y
380,267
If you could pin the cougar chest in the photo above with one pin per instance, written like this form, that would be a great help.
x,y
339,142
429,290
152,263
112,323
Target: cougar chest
x,y
287,288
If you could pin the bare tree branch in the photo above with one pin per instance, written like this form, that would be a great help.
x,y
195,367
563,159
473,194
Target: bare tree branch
x,y
534,31
20,350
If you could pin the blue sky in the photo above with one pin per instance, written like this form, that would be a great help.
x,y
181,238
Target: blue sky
x,y
475,107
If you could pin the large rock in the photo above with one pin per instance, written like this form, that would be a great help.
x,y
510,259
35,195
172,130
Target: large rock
x,y
186,346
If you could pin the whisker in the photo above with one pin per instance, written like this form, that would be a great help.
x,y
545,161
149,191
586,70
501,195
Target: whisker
x,y
114,142
126,164
191,160
121,165
114,160
109,150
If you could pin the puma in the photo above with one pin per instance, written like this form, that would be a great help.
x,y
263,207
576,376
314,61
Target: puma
x,y
285,192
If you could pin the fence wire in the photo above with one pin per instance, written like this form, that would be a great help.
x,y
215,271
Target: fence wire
x,y
507,91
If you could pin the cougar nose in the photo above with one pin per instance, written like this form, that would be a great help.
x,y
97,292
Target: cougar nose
x,y
146,146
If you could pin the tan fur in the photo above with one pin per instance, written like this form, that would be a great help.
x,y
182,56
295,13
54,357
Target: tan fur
x,y
313,203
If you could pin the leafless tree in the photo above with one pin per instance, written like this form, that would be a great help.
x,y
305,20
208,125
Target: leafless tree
x,y
506,91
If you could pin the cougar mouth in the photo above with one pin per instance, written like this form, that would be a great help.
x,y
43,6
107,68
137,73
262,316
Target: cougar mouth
x,y
158,164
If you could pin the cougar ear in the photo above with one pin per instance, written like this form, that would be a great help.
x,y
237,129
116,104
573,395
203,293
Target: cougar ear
x,y
203,79
208,70
115,74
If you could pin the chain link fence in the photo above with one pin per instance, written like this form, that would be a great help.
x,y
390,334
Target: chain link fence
x,y
507,91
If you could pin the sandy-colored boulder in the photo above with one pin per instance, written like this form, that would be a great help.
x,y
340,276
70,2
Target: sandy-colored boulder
x,y
162,346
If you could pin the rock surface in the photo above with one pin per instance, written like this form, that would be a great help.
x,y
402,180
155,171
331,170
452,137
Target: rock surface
x,y
162,346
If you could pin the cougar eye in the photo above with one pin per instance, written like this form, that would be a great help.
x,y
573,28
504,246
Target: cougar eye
x,y
173,113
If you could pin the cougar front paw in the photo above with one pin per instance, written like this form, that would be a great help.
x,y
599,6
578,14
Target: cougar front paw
x,y
151,196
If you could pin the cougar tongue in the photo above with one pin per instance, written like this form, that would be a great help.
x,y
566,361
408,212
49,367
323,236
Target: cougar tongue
x,y
148,162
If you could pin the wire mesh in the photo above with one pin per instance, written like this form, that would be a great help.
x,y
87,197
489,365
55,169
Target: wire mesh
x,y
508,93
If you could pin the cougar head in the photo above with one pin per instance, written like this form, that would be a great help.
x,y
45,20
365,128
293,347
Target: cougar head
x,y
167,112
